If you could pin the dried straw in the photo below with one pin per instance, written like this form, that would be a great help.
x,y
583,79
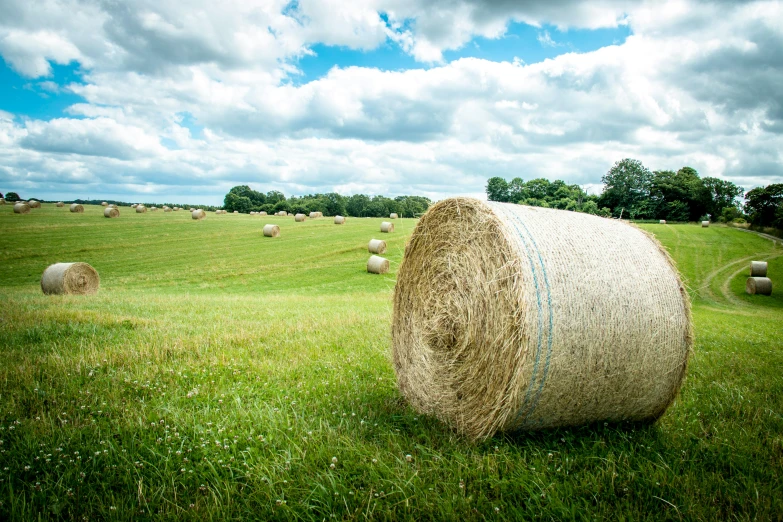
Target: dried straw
x,y
339,220
758,269
662,222
34,204
387,227
60,204
2,201
271,230
140,209
77,208
705,224
262,213
21,208
377,246
104,204
198,214
758,286
392,216
377,265
509,317
176,209
153,209
70,278
236,212
134,205
111,212
299,218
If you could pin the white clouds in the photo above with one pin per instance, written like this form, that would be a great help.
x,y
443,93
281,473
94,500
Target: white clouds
x,y
29,53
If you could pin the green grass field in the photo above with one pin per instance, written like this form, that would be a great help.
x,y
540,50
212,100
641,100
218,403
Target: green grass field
x,y
221,375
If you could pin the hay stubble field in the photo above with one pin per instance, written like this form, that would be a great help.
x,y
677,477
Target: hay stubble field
x,y
219,374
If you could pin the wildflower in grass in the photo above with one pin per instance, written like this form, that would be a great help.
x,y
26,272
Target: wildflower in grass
x,y
408,458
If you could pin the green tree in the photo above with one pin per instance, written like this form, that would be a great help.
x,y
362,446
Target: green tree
x,y
12,196
722,194
627,186
762,204
357,205
517,190
497,189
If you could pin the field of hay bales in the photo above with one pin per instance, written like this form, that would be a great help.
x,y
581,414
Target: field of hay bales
x,y
220,374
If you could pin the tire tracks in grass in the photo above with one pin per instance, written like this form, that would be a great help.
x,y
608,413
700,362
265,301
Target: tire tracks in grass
x,y
724,287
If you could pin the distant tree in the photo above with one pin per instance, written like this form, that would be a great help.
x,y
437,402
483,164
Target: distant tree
x,y
517,190
763,204
722,194
335,204
273,197
627,186
12,196
497,189
356,205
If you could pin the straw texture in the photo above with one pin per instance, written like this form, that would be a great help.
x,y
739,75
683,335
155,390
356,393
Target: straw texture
x,y
262,213
758,269
111,212
377,246
758,286
104,204
387,227
166,209
392,216
662,222
705,224
2,201
271,230
141,209
21,208
377,265
509,317
299,218
60,204
70,278
339,220
34,204
198,214
77,208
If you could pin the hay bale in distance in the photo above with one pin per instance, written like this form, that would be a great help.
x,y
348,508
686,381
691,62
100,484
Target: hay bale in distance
x,y
758,286
140,209
262,213
77,208
70,278
387,227
316,215
104,204
34,204
153,209
377,265
758,269
392,216
339,220
236,212
662,222
21,207
198,214
271,230
705,224
134,205
377,246
299,218
176,209
111,212
2,201
509,317
167,209
60,204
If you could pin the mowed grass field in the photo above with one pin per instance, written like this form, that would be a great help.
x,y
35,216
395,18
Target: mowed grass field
x,y
222,375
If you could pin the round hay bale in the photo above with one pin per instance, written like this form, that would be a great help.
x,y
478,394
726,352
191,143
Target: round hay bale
x,y
377,265
167,209
34,204
111,212
77,208
236,212
198,214
705,224
141,209
104,204
271,230
392,216
758,286
2,201
299,218
387,227
21,208
60,204
511,317
339,220
262,213
176,209
377,246
134,205
662,222
313,215
70,278
758,269
113,206
153,209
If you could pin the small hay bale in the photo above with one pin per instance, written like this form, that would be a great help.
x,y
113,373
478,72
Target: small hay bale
x,y
705,224
134,205
313,215
509,317
758,269
2,201
377,265
34,204
70,278
21,208
176,209
77,208
60,204
167,209
271,230
141,209
339,220
153,209
111,212
113,206
758,286
262,213
386,226
392,216
198,214
377,246
104,204
236,212
662,222
299,218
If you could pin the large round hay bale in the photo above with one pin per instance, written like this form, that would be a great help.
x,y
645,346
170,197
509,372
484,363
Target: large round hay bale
x,y
377,246
198,214
386,226
104,204
34,204
77,208
111,212
21,208
758,269
140,209
758,285
70,278
262,213
392,216
60,204
176,209
339,220
511,317
377,265
313,215
662,222
271,230
167,209
299,218
705,224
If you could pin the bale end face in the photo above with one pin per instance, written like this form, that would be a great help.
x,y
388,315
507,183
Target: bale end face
x,y
70,278
758,286
60,204
271,230
387,227
111,212
377,246
21,208
377,265
34,204
339,220
705,224
299,218
76,208
198,214
758,269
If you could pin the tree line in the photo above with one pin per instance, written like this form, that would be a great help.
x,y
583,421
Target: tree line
x,y
244,199
632,191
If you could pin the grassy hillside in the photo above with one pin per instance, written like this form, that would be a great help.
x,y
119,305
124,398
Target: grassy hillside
x,y
222,375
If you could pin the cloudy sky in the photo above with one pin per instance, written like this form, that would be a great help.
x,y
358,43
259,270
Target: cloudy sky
x,y
168,100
